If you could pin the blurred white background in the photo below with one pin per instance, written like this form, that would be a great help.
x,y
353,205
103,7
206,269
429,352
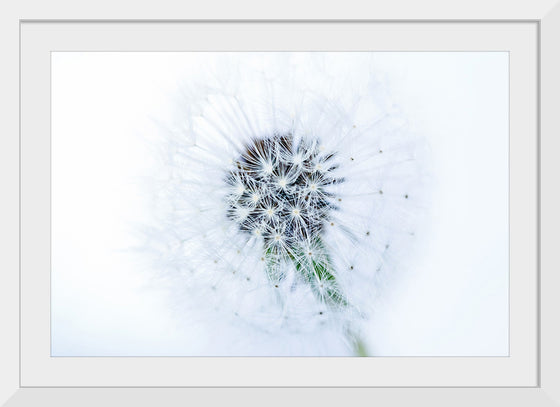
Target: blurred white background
x,y
454,302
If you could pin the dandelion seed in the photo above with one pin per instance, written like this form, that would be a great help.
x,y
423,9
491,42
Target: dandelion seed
x,y
283,183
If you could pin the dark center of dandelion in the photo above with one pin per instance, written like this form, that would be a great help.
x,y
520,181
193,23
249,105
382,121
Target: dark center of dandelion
x,y
281,189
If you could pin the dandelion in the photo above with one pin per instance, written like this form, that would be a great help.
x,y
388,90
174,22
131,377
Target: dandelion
x,y
292,184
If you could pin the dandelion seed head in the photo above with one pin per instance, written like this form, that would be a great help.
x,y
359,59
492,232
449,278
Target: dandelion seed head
x,y
280,177
296,207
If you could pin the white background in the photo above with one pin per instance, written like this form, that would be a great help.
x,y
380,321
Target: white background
x,y
455,303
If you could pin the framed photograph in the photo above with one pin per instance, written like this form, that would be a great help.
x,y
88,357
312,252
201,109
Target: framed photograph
x,y
261,206
299,210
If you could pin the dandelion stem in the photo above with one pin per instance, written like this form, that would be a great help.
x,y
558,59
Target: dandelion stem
x,y
317,272
359,347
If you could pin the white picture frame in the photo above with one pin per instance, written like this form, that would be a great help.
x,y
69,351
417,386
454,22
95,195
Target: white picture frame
x,y
17,389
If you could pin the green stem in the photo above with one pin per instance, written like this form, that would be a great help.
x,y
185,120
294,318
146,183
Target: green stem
x,y
358,345
317,272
